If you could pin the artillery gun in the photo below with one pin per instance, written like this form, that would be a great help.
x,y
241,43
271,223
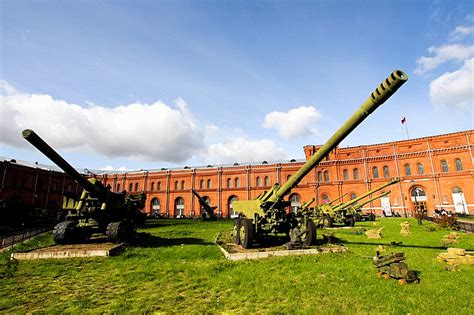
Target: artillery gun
x,y
345,213
392,266
208,211
98,210
357,208
267,213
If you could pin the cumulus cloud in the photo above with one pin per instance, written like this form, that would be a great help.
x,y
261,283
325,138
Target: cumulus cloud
x,y
110,168
442,54
455,88
294,123
243,150
154,131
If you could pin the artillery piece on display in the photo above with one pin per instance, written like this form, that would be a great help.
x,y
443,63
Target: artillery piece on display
x,y
267,213
208,212
98,210
392,266
345,213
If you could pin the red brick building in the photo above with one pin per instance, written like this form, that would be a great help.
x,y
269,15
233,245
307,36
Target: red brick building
x,y
436,172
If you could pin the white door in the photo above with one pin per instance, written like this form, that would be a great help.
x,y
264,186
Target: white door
x,y
385,203
459,203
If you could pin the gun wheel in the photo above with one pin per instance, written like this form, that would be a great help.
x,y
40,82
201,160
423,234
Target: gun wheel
x,y
371,217
246,233
118,232
310,237
328,221
234,231
66,233
350,221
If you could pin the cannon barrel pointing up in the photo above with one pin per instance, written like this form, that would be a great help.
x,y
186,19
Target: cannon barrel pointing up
x,y
44,148
377,98
355,200
360,205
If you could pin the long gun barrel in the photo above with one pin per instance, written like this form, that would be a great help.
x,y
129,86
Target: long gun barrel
x,y
44,148
377,98
336,199
355,200
308,203
360,205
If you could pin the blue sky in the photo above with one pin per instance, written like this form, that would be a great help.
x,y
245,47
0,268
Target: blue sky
x,y
199,82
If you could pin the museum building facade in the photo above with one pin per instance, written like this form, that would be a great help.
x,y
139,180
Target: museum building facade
x,y
435,172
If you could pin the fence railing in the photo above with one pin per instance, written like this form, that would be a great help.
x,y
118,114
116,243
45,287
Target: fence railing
x,y
20,236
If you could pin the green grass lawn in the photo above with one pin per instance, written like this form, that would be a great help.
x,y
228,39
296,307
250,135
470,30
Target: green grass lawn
x,y
174,267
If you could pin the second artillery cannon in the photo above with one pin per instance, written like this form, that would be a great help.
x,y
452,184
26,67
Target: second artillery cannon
x,y
99,210
267,213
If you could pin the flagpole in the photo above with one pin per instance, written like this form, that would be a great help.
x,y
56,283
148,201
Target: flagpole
x,y
406,128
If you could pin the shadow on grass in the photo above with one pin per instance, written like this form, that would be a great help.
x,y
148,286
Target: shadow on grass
x,y
152,223
147,240
396,244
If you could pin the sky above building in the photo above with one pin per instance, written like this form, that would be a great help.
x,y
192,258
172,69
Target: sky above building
x,y
151,84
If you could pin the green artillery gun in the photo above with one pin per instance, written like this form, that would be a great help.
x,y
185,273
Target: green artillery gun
x,y
208,212
306,206
357,208
98,210
345,213
267,213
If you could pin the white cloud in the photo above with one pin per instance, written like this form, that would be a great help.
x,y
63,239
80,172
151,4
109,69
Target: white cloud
x,y
460,32
242,150
155,131
110,168
294,123
442,54
455,89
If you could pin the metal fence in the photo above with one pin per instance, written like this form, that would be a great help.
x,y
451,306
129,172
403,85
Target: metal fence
x,y
20,236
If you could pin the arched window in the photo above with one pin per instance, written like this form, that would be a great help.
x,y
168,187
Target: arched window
x,y
159,185
266,181
182,184
230,209
152,186
353,196
229,182
355,173
457,190
179,207
458,164
375,172
444,166
419,166
295,202
130,187
136,186
118,187
345,174
201,184
155,207
325,198
320,176
237,182
288,177
386,171
258,181
407,169
209,185
176,185
326,176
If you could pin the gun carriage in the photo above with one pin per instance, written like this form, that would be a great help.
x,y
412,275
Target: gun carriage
x,y
98,210
267,213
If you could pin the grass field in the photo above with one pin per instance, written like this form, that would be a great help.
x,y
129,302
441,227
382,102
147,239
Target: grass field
x,y
174,267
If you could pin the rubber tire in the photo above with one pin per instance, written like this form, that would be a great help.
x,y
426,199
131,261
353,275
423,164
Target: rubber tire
x,y
328,221
310,238
371,217
350,221
236,229
66,232
247,227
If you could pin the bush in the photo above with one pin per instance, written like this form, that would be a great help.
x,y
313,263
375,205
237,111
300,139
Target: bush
x,y
447,222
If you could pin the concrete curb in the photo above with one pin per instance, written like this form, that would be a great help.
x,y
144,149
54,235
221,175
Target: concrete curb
x,y
67,253
279,253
